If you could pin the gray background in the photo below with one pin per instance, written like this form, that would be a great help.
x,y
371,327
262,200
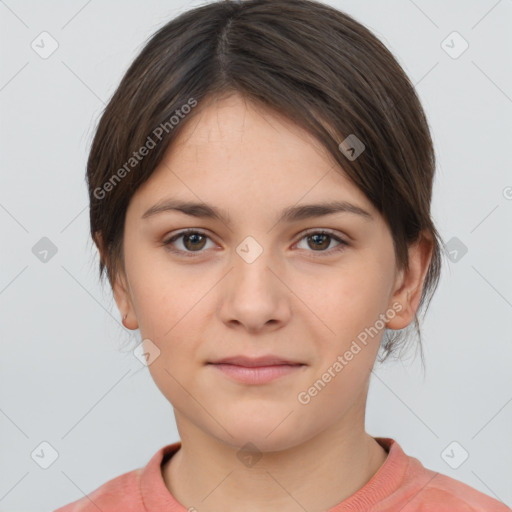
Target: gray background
x,y
64,379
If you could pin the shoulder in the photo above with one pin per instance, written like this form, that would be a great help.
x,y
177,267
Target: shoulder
x,y
441,493
119,493
125,492
411,487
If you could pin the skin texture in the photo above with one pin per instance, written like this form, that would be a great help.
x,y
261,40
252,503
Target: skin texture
x,y
294,300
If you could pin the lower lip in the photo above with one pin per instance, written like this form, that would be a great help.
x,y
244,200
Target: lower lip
x,y
256,374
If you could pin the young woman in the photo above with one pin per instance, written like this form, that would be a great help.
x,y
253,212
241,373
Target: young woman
x,y
260,187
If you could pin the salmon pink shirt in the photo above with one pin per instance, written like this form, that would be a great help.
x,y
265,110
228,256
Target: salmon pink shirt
x,y
401,484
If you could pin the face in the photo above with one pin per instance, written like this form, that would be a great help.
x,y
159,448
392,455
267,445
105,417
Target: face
x,y
302,288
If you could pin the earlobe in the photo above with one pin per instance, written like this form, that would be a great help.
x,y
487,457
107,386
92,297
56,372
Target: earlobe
x,y
124,320
410,284
120,290
124,303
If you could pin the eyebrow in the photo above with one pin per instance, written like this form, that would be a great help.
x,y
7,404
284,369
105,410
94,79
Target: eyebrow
x,y
290,214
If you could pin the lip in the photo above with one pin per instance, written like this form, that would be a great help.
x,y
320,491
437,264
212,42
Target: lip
x,y
260,370
251,362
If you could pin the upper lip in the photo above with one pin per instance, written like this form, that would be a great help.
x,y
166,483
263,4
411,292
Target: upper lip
x,y
269,360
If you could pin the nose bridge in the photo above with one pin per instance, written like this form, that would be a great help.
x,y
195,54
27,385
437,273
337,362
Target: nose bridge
x,y
250,250
252,262
253,296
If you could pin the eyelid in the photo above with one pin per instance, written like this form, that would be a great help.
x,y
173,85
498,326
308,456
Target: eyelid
x,y
334,235
332,232
168,241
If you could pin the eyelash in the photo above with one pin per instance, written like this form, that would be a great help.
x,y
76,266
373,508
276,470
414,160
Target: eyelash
x,y
192,254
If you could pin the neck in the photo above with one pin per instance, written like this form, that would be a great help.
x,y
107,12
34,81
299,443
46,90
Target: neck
x,y
315,475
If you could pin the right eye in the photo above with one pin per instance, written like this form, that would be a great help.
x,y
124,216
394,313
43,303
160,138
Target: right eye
x,y
193,242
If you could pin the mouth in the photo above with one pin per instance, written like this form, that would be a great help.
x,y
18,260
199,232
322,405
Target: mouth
x,y
251,362
260,370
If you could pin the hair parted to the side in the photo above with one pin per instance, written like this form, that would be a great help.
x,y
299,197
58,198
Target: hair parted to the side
x,y
306,60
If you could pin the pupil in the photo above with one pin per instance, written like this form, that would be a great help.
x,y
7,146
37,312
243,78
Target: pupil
x,y
194,238
315,238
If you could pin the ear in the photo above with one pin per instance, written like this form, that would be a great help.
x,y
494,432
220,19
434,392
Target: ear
x,y
121,290
409,284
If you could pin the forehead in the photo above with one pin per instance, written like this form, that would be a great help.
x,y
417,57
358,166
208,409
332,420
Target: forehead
x,y
239,126
234,151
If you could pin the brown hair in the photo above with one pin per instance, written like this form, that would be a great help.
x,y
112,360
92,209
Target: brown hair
x,y
304,59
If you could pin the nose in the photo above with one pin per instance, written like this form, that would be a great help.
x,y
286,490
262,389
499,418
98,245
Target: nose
x,y
254,296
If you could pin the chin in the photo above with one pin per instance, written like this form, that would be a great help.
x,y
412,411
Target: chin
x,y
261,436
259,443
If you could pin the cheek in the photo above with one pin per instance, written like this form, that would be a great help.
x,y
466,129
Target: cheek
x,y
173,323
352,301
165,297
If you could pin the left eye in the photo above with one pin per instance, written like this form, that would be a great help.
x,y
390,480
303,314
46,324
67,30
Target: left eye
x,y
319,238
194,241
